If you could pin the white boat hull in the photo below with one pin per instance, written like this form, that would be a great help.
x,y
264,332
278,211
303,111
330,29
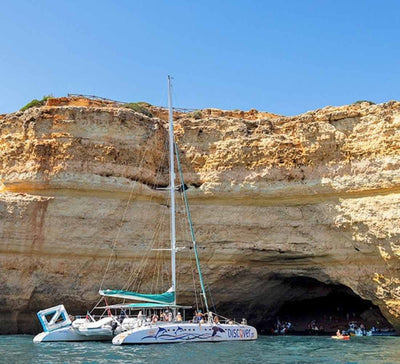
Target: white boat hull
x,y
57,326
102,328
67,334
185,332
102,331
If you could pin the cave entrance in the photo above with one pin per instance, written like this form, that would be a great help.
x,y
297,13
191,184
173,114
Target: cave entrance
x,y
313,307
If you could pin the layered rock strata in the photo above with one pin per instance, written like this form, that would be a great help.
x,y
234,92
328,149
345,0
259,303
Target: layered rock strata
x,y
315,195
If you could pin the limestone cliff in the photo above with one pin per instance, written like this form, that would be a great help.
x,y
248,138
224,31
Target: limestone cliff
x,y
315,195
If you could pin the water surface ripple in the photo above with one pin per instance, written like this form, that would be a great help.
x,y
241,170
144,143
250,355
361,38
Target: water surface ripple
x,y
267,349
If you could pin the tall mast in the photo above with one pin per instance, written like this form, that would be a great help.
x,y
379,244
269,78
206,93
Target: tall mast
x,y
172,188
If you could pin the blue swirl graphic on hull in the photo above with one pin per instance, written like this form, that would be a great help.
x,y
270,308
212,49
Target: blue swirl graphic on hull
x,y
163,334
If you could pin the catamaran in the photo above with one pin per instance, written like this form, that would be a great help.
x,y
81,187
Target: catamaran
x,y
157,318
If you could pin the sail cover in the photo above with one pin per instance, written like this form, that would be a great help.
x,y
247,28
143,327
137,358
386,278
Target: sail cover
x,y
139,306
166,297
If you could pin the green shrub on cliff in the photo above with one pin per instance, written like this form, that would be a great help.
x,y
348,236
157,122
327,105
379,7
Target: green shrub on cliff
x,y
361,101
196,114
139,107
36,103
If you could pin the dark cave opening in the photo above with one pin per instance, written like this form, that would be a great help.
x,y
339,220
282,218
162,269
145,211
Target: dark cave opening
x,y
308,303
323,308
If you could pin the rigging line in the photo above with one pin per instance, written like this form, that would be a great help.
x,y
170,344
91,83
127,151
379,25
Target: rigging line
x,y
192,268
156,237
149,201
212,300
160,256
159,269
203,291
135,279
101,298
174,95
177,277
156,260
164,270
163,97
201,301
123,215
136,270
186,238
183,234
157,264
194,280
191,257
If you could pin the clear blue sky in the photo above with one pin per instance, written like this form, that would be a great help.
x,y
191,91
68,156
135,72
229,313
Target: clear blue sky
x,y
286,57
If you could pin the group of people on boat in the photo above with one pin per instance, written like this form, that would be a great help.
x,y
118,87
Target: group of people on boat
x,y
200,317
282,328
360,330
314,328
166,316
356,329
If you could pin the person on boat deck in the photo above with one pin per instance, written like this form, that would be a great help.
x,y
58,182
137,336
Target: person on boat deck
x,y
114,326
338,333
178,317
122,316
154,319
169,317
199,317
216,320
140,316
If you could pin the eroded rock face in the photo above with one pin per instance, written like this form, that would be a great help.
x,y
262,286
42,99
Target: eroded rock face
x,y
315,195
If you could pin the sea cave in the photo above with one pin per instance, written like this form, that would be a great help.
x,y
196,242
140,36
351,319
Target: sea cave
x,y
312,307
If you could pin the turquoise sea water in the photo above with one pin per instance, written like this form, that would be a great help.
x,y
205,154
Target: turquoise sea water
x,y
267,349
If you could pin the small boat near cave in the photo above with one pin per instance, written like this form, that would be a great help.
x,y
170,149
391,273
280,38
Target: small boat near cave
x,y
341,337
137,322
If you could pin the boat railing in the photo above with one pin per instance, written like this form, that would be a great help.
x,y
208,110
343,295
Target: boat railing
x,y
94,97
146,320
92,317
